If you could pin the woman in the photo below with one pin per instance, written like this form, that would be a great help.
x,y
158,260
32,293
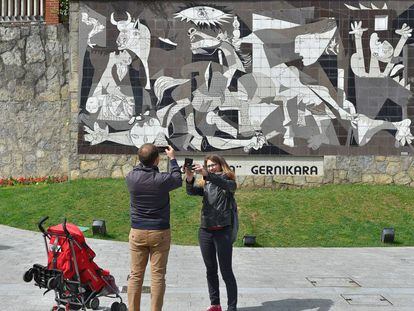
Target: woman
x,y
215,234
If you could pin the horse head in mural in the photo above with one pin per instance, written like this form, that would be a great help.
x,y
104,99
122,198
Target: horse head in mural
x,y
135,37
204,44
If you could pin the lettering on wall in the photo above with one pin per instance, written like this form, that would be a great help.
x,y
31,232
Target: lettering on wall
x,y
284,170
286,166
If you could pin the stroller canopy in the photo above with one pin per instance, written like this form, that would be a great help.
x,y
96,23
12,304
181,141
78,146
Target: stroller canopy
x,y
73,230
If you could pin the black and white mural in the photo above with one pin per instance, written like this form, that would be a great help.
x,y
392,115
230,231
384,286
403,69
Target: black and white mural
x,y
262,77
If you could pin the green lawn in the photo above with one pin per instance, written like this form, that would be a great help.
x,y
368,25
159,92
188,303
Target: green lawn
x,y
334,215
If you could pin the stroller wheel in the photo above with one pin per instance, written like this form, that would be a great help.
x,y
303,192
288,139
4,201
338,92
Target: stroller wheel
x,y
74,307
52,283
28,276
93,304
115,306
122,307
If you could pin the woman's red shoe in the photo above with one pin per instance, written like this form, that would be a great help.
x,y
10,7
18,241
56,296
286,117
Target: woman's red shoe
x,y
214,308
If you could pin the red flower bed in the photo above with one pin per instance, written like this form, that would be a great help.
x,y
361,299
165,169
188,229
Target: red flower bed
x,y
11,181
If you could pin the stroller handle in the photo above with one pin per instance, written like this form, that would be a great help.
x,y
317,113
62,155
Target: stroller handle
x,y
40,224
66,229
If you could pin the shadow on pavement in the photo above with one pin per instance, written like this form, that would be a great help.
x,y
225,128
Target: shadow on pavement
x,y
292,305
4,247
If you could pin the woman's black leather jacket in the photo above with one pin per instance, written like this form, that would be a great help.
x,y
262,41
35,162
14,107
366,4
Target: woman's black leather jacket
x,y
217,197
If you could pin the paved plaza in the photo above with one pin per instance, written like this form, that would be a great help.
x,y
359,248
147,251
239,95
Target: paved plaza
x,y
269,279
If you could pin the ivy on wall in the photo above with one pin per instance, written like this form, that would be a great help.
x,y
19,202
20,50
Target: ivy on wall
x,y
64,10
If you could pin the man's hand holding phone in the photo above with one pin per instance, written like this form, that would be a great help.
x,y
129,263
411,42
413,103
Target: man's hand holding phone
x,y
169,151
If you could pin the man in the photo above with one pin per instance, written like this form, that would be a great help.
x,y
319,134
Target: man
x,y
150,234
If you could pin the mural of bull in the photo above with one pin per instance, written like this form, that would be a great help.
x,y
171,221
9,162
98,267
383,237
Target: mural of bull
x,y
135,37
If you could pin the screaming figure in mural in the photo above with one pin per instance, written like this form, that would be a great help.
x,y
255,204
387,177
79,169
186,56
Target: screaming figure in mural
x,y
380,51
387,82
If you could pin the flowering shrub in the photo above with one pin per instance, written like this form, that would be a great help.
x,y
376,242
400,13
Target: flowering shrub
x,y
11,181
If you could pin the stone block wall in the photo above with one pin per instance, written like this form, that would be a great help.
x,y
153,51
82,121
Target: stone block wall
x,y
382,170
34,102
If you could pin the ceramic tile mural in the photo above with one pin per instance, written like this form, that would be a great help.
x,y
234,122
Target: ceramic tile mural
x,y
247,77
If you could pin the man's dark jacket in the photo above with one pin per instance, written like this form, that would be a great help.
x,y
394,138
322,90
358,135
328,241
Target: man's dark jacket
x,y
150,199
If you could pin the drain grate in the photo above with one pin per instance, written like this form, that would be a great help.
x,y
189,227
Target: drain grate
x,y
332,282
145,289
366,300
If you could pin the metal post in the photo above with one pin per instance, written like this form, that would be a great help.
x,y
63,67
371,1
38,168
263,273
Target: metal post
x,y
3,8
23,10
35,8
29,8
16,9
42,13
9,8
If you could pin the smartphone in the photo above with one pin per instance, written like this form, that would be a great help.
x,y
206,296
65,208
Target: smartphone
x,y
188,163
162,148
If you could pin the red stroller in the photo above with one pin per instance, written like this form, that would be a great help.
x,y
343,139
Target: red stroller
x,y
77,280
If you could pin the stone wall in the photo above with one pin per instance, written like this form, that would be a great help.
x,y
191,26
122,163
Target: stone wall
x,y
337,170
34,105
344,170
373,170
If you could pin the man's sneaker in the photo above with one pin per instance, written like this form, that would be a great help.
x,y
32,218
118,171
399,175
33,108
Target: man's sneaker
x,y
214,308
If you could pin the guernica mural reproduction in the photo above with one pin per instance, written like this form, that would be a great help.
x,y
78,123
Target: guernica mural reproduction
x,y
247,77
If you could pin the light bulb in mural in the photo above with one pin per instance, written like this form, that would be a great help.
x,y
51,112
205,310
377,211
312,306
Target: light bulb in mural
x,y
203,16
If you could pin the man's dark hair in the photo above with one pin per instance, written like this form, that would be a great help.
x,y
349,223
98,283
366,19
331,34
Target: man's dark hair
x,y
147,154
